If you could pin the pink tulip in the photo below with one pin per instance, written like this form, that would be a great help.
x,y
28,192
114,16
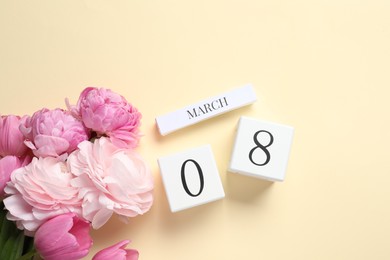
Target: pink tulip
x,y
11,139
109,114
53,132
7,165
63,237
117,252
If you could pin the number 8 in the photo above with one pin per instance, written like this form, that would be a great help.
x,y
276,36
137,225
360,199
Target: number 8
x,y
262,147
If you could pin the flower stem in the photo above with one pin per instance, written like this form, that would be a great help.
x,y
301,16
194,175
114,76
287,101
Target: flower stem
x,y
28,255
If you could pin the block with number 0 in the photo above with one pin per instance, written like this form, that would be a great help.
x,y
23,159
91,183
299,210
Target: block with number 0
x,y
191,178
261,149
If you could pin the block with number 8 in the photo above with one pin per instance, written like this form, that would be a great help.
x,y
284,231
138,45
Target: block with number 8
x,y
261,149
191,178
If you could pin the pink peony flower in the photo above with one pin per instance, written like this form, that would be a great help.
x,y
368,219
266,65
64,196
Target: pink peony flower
x,y
110,179
7,165
117,252
63,237
53,132
11,139
109,114
39,191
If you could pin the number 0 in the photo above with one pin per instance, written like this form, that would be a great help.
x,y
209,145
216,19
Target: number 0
x,y
183,178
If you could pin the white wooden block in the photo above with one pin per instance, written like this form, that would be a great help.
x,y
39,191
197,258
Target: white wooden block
x,y
191,178
206,109
261,149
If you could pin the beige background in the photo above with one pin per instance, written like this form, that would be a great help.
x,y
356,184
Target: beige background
x,y
320,66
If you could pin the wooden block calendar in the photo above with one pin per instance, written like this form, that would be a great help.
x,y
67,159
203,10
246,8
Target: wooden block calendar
x,y
261,149
191,178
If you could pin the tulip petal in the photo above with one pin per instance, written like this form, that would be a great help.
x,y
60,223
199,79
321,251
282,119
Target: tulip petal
x,y
80,230
132,254
11,138
7,165
117,252
52,231
63,237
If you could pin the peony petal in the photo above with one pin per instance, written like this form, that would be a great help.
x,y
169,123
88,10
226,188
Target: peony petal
x,y
110,179
106,113
53,132
50,145
17,206
101,217
39,191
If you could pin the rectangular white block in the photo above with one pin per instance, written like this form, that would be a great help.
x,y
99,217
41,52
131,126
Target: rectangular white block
x,y
261,149
191,178
206,109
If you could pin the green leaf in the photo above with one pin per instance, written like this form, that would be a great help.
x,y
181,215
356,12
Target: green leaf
x,y
13,243
3,213
30,255
7,229
12,240
13,248
28,245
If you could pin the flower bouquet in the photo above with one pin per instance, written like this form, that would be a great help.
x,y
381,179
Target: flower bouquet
x,y
63,172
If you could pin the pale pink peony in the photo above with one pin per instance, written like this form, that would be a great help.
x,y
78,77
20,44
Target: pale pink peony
x,y
117,252
11,139
53,132
109,114
7,165
63,237
110,179
39,191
